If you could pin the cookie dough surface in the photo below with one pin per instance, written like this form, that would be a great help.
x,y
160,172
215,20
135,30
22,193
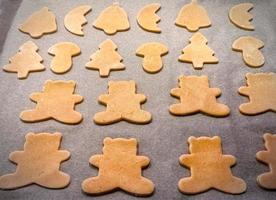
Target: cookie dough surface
x,y
240,16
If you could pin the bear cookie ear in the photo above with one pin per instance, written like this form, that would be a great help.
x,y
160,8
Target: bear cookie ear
x,y
267,136
191,139
107,140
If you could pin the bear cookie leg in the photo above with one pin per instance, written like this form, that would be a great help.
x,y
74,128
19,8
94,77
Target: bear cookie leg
x,y
107,117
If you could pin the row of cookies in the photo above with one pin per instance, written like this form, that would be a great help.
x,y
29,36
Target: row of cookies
x,y
191,16
121,168
57,100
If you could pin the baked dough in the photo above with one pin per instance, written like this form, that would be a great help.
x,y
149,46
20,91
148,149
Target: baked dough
x,y
106,59
152,53
261,91
147,19
197,52
122,103
63,53
39,23
38,163
209,168
119,168
239,15
196,96
268,180
75,19
193,16
249,46
112,19
57,101
26,60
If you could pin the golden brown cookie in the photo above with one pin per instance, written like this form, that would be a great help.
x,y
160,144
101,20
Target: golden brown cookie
x,y
250,48
112,19
57,101
152,53
268,180
63,53
39,23
261,91
119,168
193,16
26,60
122,103
106,59
75,19
197,52
239,15
195,96
38,163
147,19
209,168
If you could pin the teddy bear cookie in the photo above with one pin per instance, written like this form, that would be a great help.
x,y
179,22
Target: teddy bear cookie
x,y
38,163
25,61
39,23
57,101
261,90
209,168
268,180
196,96
119,168
122,103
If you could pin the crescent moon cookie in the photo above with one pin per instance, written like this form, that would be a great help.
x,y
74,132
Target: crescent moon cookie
x,y
75,19
147,19
239,15
39,23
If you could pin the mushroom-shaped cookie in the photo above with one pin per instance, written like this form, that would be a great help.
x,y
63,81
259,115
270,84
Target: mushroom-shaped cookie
x,y
152,53
63,53
249,46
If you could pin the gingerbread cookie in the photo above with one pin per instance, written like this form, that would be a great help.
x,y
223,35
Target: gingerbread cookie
x,y
268,180
249,46
209,168
39,23
239,15
57,101
75,19
106,59
122,103
147,19
152,53
26,60
112,19
261,91
195,96
119,168
193,16
63,53
38,163
197,52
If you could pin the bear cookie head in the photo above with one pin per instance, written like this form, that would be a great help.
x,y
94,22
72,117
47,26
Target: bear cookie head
x,y
185,81
115,87
52,141
270,142
205,144
115,146
55,86
260,79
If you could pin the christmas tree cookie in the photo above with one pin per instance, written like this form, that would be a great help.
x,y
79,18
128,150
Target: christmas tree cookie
x,y
268,180
261,90
39,23
122,103
119,168
209,168
57,101
196,96
38,163
193,16
106,59
26,60
112,19
197,52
